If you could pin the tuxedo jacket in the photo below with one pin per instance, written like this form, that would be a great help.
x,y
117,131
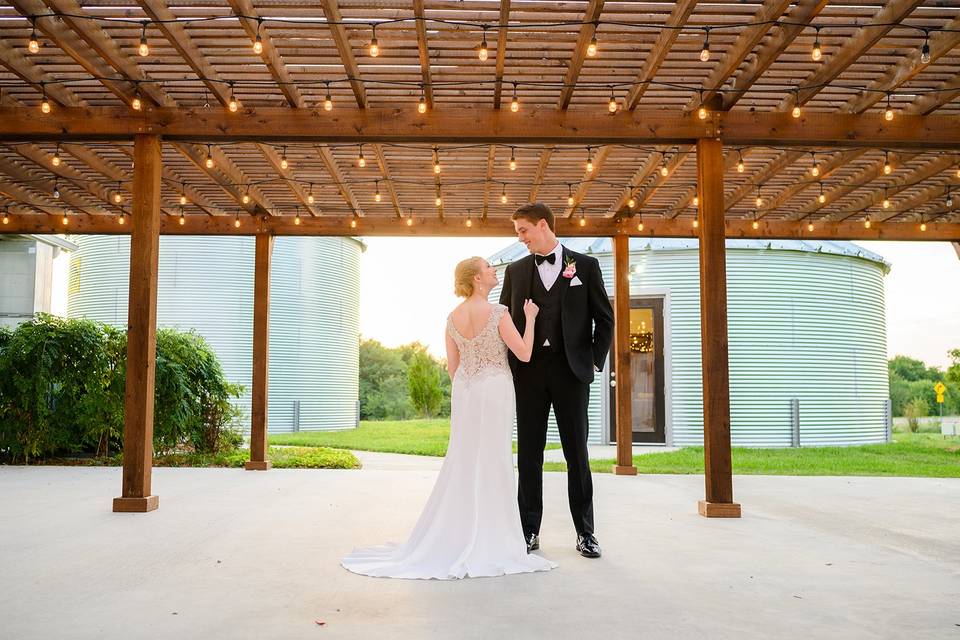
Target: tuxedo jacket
x,y
585,312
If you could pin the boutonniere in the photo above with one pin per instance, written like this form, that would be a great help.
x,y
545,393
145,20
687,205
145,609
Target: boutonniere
x,y
569,267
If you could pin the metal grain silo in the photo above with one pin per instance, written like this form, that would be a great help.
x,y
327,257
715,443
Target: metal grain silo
x,y
206,283
808,362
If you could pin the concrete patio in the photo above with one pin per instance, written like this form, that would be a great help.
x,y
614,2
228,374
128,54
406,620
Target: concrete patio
x,y
237,554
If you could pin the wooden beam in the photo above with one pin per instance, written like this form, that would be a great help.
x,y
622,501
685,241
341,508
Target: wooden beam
x,y
491,159
296,188
651,164
36,77
278,70
337,175
827,169
483,125
652,61
387,178
424,52
599,157
658,179
15,193
798,18
713,335
932,168
141,331
747,40
541,172
46,187
261,348
769,170
501,51
331,10
587,29
853,48
621,356
227,176
946,229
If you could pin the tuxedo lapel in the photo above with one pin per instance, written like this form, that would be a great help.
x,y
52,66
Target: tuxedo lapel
x,y
563,283
526,270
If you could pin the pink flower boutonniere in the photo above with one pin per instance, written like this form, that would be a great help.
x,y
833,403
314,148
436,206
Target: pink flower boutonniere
x,y
570,268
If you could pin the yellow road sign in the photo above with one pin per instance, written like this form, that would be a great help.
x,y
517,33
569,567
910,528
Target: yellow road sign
x,y
940,398
939,388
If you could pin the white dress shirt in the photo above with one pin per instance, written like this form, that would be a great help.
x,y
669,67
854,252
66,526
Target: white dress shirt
x,y
550,272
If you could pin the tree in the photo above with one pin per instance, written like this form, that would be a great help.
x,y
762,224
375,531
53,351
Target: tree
x,y
424,383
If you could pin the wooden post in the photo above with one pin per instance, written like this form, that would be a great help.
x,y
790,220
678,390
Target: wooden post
x,y
261,338
713,332
621,325
141,329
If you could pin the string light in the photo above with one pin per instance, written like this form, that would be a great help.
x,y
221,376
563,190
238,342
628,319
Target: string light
x,y
515,103
183,220
436,161
886,200
208,163
756,222
887,169
376,194
6,215
640,223
702,111
816,53
612,105
469,221
438,200
809,226
589,160
696,221
143,49
328,101
696,201
410,219
422,105
482,52
583,219
888,114
117,196
664,171
569,195
310,198
822,197
740,166
374,47
949,201
246,196
258,42
56,190
55,161
122,219
759,197
361,161
232,103
183,196
137,103
923,225
705,52
814,170
925,49
353,221
503,195
34,45
796,105
66,220
45,104
296,219
236,220
866,221
632,202
593,47
513,160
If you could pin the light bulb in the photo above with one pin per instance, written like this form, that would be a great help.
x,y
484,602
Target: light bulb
x,y
183,199
888,114
817,53
886,203
482,52
208,162
328,103
592,47
469,222
705,52
631,202
513,164
377,197
796,111
866,223
810,226
361,161
612,105
422,106
503,198
310,199
66,220
740,167
696,201
696,223
702,112
144,50
117,198
45,106
297,219
374,47
815,171
246,198
887,169
233,105
640,226
569,201
822,198
583,221
182,219
756,225
258,45
55,160
923,225
136,104
6,218
438,201
122,219
514,105
284,163
56,193
353,223
236,222
409,222
34,45
664,171
436,167
925,52
759,201
590,166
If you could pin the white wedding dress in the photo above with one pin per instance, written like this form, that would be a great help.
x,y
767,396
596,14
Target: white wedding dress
x,y
470,526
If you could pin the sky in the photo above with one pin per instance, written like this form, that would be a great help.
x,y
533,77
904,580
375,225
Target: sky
x,y
406,292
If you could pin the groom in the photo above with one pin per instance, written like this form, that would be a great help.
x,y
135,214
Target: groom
x,y
571,339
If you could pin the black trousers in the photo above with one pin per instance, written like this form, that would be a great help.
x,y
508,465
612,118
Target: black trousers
x,y
547,380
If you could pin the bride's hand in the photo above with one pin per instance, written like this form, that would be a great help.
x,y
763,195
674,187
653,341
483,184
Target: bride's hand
x,y
530,309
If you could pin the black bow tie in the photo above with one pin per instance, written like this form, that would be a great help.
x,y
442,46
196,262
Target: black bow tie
x,y
551,258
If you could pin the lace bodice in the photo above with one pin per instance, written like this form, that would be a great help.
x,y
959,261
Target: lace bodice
x,y
484,354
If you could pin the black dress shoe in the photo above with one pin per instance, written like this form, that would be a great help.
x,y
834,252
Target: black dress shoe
x,y
588,546
533,542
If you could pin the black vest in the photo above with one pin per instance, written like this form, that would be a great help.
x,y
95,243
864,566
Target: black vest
x,y
548,325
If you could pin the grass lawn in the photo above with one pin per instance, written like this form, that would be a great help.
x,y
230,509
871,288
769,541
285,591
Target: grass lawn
x,y
415,437
910,454
281,457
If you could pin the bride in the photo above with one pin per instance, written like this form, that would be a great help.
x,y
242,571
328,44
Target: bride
x,y
470,525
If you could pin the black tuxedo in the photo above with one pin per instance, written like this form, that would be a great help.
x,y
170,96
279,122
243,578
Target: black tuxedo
x,y
579,322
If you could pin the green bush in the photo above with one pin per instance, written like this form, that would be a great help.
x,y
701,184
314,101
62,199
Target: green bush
x,y
915,409
62,391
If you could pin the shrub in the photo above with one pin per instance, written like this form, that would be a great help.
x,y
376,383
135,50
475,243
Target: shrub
x,y
915,409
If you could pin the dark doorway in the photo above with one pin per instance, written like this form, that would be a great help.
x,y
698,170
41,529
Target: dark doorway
x,y
646,371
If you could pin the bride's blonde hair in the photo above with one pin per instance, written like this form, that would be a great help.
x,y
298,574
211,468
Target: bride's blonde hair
x,y
463,276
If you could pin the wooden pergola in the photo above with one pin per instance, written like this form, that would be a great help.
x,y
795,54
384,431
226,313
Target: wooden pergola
x,y
760,119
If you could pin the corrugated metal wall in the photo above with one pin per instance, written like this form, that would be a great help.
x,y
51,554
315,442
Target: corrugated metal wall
x,y
802,324
207,284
